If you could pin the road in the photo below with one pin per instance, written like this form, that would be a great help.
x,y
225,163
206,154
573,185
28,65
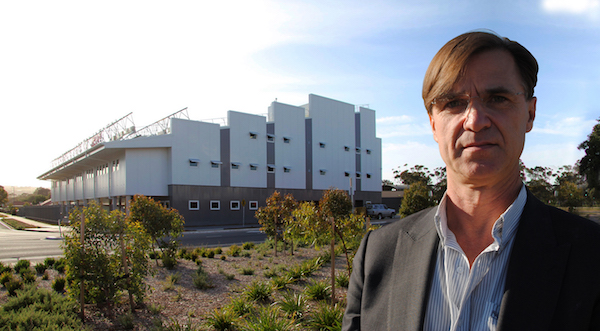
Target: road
x,y
35,246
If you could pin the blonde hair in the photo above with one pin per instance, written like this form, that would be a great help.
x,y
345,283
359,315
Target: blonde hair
x,y
448,65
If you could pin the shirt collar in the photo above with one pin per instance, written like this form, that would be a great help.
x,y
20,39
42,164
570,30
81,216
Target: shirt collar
x,y
502,231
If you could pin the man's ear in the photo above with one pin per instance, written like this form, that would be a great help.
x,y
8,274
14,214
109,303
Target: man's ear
x,y
432,124
531,104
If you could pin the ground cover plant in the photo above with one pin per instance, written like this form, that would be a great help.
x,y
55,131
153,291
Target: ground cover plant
x,y
174,301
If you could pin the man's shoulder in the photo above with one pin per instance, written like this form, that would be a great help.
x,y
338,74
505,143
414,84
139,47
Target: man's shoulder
x,y
414,225
571,225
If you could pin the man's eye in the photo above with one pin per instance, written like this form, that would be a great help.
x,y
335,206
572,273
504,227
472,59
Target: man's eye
x,y
498,99
455,104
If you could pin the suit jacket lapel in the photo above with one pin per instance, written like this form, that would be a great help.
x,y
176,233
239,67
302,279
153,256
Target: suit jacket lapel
x,y
414,263
537,264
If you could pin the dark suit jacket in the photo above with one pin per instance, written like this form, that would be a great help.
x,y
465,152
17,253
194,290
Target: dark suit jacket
x,y
552,283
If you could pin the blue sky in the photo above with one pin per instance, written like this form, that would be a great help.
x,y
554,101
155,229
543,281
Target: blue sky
x,y
69,68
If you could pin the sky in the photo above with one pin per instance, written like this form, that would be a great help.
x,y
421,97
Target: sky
x,y
70,68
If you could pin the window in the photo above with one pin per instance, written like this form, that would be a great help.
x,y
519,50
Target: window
x,y
357,150
368,151
215,164
287,169
270,137
358,175
234,205
270,168
322,144
194,162
253,166
286,140
322,172
193,205
235,165
215,205
368,175
253,205
346,174
347,148
253,135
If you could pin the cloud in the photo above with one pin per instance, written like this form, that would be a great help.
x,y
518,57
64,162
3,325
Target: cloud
x,y
590,8
551,155
570,126
411,153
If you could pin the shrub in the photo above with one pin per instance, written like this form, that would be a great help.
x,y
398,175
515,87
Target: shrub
x,y
268,319
40,268
222,320
200,279
210,254
294,305
281,282
342,279
40,309
168,261
28,276
58,284
229,276
247,271
176,326
270,273
49,262
4,268
218,250
248,245
21,266
6,277
60,265
223,257
126,321
240,306
258,291
155,309
318,291
13,285
296,272
234,250
246,254
327,318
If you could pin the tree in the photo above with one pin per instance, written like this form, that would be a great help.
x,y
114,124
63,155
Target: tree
x,y
538,180
162,224
441,183
416,198
111,257
418,173
3,196
569,195
276,213
589,165
43,191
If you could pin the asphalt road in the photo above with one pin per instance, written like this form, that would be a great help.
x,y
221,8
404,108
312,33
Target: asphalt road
x,y
221,237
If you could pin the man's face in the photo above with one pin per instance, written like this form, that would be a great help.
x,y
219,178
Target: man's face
x,y
480,126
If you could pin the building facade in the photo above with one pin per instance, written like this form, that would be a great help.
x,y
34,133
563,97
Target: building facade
x,y
220,175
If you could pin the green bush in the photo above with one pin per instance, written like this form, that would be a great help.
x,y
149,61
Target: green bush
x,y
234,250
281,282
4,268
201,279
218,250
49,262
241,307
40,268
342,279
268,318
223,257
326,318
270,273
28,276
168,261
40,309
318,291
58,284
6,277
13,285
210,254
258,291
21,266
222,320
126,321
60,265
247,271
248,246
294,305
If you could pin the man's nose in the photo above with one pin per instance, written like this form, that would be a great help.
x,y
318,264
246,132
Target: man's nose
x,y
476,116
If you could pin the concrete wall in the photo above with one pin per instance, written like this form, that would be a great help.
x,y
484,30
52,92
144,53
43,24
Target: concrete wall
x,y
370,154
246,149
148,171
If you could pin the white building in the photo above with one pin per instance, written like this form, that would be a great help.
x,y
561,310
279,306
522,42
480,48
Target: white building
x,y
219,175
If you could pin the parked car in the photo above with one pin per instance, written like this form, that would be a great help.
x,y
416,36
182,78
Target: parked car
x,y
380,211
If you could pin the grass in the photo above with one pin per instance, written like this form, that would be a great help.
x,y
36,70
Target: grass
x,y
17,225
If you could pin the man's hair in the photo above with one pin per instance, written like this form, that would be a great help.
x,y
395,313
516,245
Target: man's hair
x,y
448,65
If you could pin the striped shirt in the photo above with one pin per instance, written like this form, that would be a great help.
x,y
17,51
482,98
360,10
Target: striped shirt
x,y
463,299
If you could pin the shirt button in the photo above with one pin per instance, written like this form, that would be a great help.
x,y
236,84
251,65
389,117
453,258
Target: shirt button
x,y
460,270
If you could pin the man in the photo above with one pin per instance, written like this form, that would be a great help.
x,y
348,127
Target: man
x,y
490,256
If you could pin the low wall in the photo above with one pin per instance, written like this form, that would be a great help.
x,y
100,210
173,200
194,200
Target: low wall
x,y
49,214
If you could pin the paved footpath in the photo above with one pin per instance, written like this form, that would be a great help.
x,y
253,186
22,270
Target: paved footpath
x,y
33,244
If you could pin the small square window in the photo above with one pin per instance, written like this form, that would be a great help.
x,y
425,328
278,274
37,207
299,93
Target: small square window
x,y
270,137
286,140
346,174
287,169
215,205
357,150
358,175
234,205
322,144
322,172
347,148
215,164
270,168
235,165
368,175
253,166
194,162
253,135
193,205
368,151
253,205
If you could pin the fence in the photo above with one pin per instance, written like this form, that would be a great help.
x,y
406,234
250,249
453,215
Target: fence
x,y
49,214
